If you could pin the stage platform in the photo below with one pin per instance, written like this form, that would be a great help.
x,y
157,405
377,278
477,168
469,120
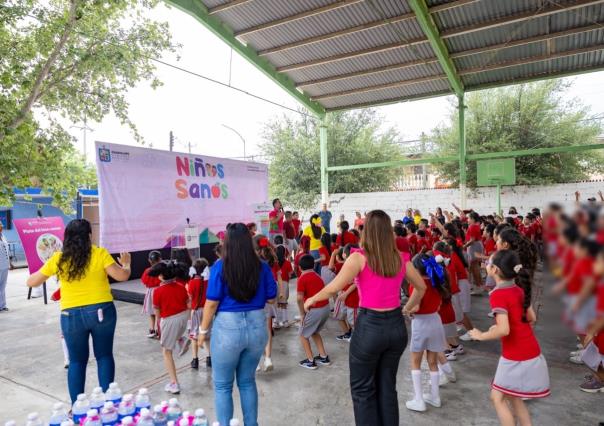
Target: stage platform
x,y
132,291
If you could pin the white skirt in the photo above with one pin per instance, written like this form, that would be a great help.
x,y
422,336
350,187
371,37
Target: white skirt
x,y
427,333
592,357
584,316
522,379
148,303
456,301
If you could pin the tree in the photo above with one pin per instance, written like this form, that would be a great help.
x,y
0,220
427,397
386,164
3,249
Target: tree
x,y
522,117
67,59
293,147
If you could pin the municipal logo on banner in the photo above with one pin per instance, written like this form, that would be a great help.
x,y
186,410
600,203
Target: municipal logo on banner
x,y
105,155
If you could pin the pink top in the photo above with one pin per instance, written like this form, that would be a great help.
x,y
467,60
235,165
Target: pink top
x,y
378,292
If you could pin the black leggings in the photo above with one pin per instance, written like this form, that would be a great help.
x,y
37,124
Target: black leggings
x,y
377,345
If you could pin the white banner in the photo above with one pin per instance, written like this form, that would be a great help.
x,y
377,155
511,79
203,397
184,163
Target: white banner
x,y
146,195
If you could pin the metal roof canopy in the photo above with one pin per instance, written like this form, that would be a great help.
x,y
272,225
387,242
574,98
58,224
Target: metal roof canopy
x,y
343,54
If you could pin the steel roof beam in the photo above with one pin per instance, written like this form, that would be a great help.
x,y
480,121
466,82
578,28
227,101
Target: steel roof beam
x,y
430,29
196,9
288,19
444,35
228,5
493,47
362,27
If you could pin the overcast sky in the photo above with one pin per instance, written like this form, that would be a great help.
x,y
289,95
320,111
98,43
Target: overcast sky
x,y
196,109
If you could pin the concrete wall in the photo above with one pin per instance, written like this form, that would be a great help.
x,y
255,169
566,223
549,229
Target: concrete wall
x,y
483,200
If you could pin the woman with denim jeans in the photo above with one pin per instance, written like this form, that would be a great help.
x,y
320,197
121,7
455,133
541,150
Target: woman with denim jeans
x,y
87,307
380,335
240,285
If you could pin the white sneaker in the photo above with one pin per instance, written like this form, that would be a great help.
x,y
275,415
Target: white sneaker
x,y
442,379
416,405
285,324
580,346
466,337
172,388
276,325
576,360
452,377
459,350
433,402
460,329
576,353
297,317
451,356
268,364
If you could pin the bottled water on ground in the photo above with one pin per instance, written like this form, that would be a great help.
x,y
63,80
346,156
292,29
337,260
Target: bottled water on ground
x,y
109,414
34,420
80,408
127,421
58,415
126,407
164,406
67,422
113,394
97,398
160,418
174,410
10,423
234,422
92,418
143,400
145,419
215,424
200,418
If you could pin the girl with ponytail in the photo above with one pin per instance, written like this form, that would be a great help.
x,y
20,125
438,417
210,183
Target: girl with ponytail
x,y
282,271
464,301
427,332
521,355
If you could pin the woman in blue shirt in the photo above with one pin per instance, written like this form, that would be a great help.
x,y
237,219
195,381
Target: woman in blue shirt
x,y
240,285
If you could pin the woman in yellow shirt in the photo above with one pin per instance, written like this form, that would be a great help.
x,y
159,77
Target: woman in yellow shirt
x,y
314,232
86,302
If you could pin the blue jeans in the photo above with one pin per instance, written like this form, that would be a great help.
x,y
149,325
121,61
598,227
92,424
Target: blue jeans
x,y
316,255
238,340
77,325
3,280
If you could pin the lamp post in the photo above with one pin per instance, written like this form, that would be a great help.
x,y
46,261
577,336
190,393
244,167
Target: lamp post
x,y
238,134
84,130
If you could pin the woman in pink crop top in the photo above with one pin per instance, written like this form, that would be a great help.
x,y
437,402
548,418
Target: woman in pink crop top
x,y
380,334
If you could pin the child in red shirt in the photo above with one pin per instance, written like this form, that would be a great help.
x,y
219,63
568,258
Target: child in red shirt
x,y
150,283
522,370
296,222
412,238
282,270
309,284
197,287
347,303
422,244
400,239
171,302
303,250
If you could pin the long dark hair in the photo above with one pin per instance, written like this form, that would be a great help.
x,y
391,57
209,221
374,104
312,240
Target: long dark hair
x,y
280,252
169,270
316,230
241,266
344,226
182,255
457,250
441,285
77,250
326,242
507,261
527,251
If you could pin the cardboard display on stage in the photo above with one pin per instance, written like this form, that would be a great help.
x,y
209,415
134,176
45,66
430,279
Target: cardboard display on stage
x,y
145,195
261,218
41,237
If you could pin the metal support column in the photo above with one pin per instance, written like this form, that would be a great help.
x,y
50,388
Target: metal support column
x,y
499,200
462,150
324,173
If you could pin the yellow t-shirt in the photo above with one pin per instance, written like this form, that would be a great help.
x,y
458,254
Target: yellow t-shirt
x,y
417,219
315,243
92,288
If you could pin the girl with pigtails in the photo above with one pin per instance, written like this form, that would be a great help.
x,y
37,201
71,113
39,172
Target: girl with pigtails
x,y
522,371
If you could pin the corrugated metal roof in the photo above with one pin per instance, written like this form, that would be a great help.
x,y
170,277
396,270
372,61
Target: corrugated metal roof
x,y
519,40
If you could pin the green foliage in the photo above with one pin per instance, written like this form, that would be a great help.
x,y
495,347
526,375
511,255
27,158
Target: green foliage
x,y
293,148
521,117
71,60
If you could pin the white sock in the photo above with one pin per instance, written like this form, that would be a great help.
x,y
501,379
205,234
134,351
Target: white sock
x,y
416,377
434,385
446,368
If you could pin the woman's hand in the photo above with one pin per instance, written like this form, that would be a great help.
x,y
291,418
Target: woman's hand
x,y
476,334
201,339
341,297
124,259
410,311
308,304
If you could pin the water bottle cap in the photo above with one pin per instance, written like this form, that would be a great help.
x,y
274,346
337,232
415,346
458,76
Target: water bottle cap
x,y
57,406
163,403
186,413
67,423
81,397
143,391
200,412
92,412
108,404
112,385
98,389
144,412
173,401
127,420
32,416
157,408
127,397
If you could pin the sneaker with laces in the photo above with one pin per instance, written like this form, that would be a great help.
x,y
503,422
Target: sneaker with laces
x,y
172,388
307,363
592,385
151,334
576,353
450,355
268,364
344,337
466,337
195,363
435,402
276,325
415,405
576,360
322,360
459,349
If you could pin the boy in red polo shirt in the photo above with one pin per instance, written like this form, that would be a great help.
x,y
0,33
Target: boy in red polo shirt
x,y
171,302
309,284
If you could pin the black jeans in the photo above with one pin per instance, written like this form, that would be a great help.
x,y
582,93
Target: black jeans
x,y
377,345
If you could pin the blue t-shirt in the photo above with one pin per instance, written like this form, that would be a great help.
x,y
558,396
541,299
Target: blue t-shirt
x,y
218,290
325,216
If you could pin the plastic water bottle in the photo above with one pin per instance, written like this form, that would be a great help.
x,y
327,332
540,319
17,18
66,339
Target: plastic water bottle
x,y
97,399
234,422
174,410
160,418
143,400
58,415
200,418
92,418
127,421
80,408
114,394
126,407
145,419
34,420
10,423
164,406
186,419
109,414
67,422
171,423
